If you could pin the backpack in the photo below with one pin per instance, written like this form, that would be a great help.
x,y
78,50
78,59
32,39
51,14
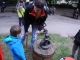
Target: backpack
x,y
77,38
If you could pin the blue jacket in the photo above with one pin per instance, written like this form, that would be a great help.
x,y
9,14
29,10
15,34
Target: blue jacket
x,y
3,4
16,47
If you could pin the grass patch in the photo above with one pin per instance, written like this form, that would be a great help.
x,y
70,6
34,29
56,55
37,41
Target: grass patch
x,y
63,47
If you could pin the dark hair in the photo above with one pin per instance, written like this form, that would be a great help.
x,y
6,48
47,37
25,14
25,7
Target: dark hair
x,y
39,3
15,30
21,1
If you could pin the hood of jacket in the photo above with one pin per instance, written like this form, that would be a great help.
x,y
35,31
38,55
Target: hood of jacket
x,y
11,39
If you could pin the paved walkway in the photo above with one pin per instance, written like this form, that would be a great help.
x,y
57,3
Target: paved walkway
x,y
56,24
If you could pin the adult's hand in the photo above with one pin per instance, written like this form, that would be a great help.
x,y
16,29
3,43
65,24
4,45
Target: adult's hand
x,y
38,32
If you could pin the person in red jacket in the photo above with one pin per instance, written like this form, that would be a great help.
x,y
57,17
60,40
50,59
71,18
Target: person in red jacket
x,y
35,15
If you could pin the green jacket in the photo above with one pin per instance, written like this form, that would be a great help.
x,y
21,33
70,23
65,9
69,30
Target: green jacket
x,y
20,12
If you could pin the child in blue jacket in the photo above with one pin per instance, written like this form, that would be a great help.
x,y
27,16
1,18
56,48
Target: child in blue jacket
x,y
14,42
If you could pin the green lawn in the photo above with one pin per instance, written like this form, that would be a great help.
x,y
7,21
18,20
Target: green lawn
x,y
63,47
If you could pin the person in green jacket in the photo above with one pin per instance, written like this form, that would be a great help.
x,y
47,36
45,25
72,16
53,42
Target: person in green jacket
x,y
20,12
